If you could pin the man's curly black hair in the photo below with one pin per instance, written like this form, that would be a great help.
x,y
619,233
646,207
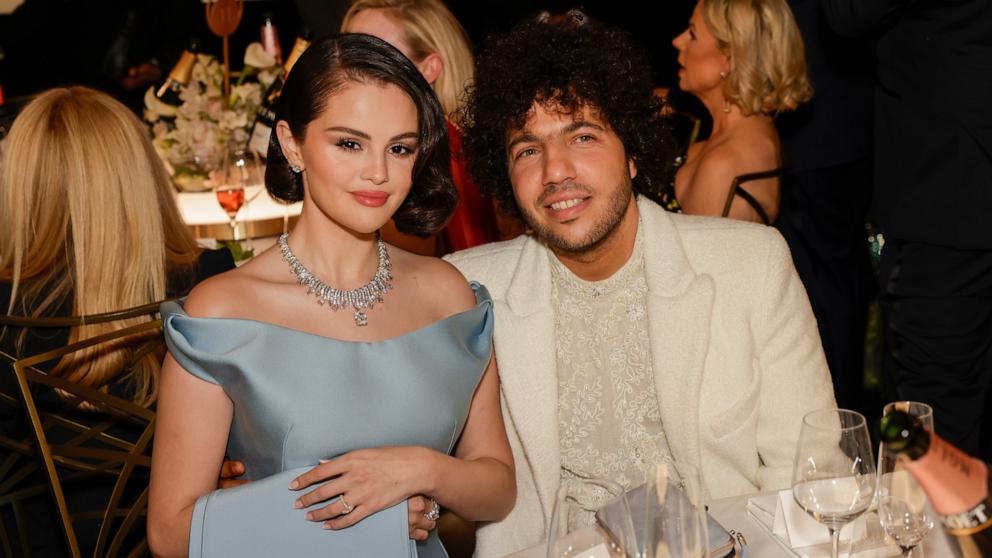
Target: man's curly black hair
x,y
567,63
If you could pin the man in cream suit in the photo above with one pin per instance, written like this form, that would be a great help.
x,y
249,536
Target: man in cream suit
x,y
625,335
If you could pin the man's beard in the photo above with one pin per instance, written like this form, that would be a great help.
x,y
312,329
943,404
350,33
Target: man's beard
x,y
600,231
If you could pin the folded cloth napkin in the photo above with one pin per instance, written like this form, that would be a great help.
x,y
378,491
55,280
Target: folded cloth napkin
x,y
803,536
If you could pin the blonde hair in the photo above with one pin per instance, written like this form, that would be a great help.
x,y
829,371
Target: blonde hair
x,y
767,57
429,27
87,214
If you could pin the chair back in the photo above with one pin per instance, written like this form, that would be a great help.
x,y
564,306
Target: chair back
x,y
21,484
92,447
736,190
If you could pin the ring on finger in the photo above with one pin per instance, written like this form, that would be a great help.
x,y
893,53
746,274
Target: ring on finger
x,y
435,511
345,506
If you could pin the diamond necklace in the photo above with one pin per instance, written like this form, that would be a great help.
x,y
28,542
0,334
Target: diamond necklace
x,y
359,299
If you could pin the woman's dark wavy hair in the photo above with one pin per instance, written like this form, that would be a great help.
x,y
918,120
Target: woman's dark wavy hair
x,y
567,63
328,65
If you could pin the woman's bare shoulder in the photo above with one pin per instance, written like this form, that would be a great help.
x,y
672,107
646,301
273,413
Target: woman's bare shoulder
x,y
437,282
227,295
755,147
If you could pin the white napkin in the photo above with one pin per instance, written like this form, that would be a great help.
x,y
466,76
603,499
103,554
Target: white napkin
x,y
795,530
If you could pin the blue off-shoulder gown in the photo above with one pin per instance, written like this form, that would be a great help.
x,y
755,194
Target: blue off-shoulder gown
x,y
300,397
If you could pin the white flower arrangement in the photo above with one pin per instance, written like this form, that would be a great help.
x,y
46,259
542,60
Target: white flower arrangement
x,y
193,138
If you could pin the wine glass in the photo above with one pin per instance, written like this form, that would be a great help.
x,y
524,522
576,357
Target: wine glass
x,y
231,197
675,515
239,170
833,478
903,509
250,172
575,531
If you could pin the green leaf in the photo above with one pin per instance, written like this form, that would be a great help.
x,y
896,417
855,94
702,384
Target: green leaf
x,y
239,252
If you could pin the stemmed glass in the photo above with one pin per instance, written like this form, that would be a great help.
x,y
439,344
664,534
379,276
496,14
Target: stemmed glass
x,y
833,478
575,531
239,170
903,509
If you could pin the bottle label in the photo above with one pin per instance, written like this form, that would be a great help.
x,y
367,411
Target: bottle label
x,y
968,523
265,115
955,482
259,142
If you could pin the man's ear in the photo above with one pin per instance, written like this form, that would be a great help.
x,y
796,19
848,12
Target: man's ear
x,y
290,150
431,67
632,168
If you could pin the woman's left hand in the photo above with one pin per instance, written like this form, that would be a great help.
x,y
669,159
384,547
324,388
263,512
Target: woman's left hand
x,y
367,481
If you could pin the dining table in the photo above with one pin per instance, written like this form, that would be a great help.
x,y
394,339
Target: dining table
x,y
759,542
732,513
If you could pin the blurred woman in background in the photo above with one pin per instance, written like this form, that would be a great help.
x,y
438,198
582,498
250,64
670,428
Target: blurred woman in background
x,y
745,61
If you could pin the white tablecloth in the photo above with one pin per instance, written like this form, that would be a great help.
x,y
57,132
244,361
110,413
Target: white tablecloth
x,y
201,208
733,515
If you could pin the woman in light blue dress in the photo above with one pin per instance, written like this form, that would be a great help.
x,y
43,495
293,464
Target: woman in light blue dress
x,y
344,396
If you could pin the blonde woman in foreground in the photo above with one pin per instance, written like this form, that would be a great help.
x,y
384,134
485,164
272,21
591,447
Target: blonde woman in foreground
x,y
88,224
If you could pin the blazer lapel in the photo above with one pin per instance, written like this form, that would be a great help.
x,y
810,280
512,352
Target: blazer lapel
x,y
680,306
528,370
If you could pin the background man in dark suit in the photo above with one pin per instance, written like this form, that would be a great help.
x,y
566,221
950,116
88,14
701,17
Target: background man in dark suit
x,y
933,201
826,190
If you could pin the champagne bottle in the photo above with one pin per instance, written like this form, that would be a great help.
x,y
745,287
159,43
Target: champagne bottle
x,y
180,75
270,38
266,116
957,484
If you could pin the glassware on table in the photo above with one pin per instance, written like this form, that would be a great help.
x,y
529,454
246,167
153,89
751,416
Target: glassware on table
x,y
240,169
675,513
833,477
574,530
231,196
903,509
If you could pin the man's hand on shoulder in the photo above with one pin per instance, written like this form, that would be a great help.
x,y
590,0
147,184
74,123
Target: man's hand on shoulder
x,y
230,470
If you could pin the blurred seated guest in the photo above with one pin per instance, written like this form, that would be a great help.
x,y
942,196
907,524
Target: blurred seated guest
x,y
429,35
745,62
88,224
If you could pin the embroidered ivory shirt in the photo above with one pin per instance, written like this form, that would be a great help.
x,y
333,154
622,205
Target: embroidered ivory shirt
x,y
609,424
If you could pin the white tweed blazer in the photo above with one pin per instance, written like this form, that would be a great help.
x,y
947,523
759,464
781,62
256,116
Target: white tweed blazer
x,y
734,348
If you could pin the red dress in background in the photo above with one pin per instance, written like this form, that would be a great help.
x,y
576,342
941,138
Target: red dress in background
x,y
474,220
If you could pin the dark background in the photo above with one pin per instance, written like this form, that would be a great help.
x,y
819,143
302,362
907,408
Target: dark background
x,y
45,43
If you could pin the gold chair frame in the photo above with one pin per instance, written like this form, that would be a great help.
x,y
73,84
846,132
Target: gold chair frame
x,y
75,459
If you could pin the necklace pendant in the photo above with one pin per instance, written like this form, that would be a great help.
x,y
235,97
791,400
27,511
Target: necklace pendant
x,y
361,319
